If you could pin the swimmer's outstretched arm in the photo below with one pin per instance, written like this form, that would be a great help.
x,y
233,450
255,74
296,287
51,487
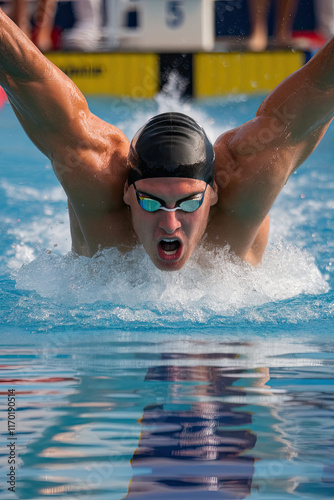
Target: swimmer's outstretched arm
x,y
55,115
255,160
302,106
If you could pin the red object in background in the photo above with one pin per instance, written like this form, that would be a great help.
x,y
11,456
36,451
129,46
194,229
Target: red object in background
x,y
312,39
55,38
3,97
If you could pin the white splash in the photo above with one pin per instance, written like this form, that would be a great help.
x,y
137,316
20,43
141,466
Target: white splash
x,y
170,100
132,289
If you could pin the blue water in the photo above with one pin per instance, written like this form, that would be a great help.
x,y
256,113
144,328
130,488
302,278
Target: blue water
x,y
133,383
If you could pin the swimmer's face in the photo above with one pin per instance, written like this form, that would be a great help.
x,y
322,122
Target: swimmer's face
x,y
170,238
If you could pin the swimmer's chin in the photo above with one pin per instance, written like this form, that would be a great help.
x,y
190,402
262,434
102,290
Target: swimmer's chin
x,y
169,265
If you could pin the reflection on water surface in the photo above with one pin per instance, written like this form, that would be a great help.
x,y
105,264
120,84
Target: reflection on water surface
x,y
147,415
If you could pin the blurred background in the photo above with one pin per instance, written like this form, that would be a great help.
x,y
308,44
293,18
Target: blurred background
x,y
95,25
194,48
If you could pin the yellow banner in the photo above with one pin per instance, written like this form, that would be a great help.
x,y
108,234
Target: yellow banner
x,y
114,74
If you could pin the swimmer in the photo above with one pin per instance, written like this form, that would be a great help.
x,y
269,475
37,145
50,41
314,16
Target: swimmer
x,y
170,189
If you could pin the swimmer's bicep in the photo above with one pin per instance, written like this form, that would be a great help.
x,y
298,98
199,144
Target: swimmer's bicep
x,y
94,177
51,109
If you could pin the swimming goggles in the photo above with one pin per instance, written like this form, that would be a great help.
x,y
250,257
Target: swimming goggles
x,y
151,204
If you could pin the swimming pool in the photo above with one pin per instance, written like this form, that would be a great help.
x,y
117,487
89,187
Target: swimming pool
x,y
131,383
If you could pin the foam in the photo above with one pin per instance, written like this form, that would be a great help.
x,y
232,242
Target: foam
x,y
128,288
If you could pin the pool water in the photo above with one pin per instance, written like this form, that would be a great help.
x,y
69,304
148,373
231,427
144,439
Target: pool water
x,y
132,383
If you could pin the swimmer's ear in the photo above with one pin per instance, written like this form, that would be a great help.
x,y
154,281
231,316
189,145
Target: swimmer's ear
x,y
213,194
126,194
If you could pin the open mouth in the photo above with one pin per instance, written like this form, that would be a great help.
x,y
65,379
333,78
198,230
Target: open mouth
x,y
169,249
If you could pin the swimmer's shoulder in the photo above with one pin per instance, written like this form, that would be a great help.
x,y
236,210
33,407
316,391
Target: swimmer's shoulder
x,y
253,162
105,138
226,161
92,140
92,167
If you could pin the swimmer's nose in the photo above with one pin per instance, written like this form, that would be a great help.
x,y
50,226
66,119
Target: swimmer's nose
x,y
169,221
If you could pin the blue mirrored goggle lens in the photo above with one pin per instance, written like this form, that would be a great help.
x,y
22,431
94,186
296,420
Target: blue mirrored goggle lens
x,y
149,205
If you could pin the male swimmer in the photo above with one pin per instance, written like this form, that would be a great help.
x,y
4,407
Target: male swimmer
x,y
170,190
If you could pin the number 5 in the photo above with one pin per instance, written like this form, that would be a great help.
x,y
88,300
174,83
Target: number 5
x,y
174,13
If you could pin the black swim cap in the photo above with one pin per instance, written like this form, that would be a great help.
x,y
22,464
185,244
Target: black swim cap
x,y
171,145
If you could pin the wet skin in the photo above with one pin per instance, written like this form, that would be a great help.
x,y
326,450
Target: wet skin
x,y
169,238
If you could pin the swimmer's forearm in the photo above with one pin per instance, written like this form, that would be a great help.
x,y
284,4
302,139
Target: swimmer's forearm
x,y
19,57
304,102
295,115
25,72
43,97
320,68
